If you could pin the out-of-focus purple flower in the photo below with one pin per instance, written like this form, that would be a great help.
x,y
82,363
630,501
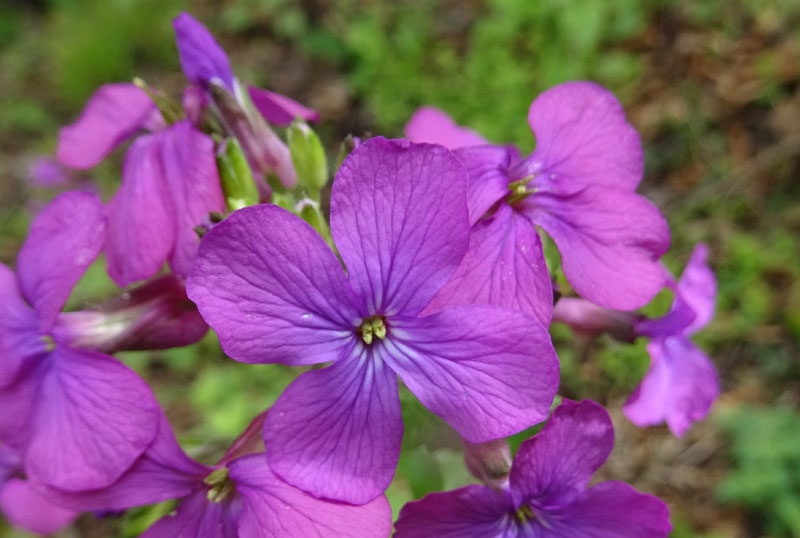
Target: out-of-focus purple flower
x,y
205,64
156,315
431,125
547,495
78,418
274,292
578,185
47,172
682,382
23,505
237,498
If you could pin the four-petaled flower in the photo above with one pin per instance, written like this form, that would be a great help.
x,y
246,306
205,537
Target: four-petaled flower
x,y
275,292
547,495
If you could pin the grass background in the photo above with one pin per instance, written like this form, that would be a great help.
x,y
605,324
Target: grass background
x,y
713,86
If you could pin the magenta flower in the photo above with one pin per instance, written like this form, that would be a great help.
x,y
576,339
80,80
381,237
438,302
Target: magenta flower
x,y
682,382
547,495
578,185
274,292
237,498
22,504
169,181
79,418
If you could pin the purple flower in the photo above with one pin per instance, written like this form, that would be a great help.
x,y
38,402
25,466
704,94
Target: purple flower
x,y
274,292
578,185
237,498
22,504
169,181
547,495
79,418
682,382
429,124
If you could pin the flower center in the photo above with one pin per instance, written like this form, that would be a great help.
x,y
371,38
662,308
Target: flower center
x,y
519,190
371,327
221,485
526,516
49,343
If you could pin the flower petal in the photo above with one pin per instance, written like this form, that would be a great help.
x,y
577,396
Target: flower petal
x,y
399,220
488,371
555,466
62,242
610,241
141,228
271,508
97,418
273,291
202,59
197,517
504,266
609,510
470,512
19,329
114,113
190,170
29,509
582,136
487,169
336,432
679,388
278,109
163,472
698,288
433,126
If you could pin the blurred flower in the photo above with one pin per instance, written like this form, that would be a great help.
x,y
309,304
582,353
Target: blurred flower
x,y
238,497
547,495
78,417
274,292
578,185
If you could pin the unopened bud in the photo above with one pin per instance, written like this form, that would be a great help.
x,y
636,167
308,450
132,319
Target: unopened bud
x,y
235,175
489,462
308,156
310,212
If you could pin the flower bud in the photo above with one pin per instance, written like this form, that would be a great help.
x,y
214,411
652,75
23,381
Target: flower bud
x,y
489,462
238,186
308,156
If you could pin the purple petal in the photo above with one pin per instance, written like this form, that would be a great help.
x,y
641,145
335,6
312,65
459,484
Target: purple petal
x,y
202,59
470,512
609,510
336,432
31,510
431,125
582,136
190,170
488,371
141,229
610,241
19,400
487,169
113,114
62,242
271,508
679,388
698,288
19,329
399,219
278,109
47,172
504,266
163,472
98,416
273,291
197,517
555,466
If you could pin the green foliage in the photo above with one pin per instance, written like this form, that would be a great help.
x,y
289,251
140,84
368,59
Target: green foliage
x,y
766,466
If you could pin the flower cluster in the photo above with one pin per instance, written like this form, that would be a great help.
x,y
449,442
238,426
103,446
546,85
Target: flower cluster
x,y
427,269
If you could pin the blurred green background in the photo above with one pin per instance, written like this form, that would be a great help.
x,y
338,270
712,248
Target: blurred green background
x,y
713,86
